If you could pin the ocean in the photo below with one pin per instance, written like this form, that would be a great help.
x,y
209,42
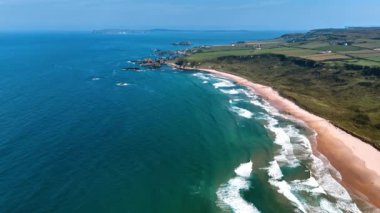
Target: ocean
x,y
80,134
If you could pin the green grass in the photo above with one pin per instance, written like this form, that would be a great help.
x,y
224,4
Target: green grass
x,y
347,98
214,53
362,53
325,84
312,45
307,49
375,58
326,57
363,62
338,48
367,43
360,62
224,51
297,52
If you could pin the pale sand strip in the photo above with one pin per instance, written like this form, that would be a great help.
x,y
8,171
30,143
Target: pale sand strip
x,y
357,161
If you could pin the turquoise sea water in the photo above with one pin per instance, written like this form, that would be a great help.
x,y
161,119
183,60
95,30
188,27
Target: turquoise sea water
x,y
79,134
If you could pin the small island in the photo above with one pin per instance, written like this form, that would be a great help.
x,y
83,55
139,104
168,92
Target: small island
x,y
152,63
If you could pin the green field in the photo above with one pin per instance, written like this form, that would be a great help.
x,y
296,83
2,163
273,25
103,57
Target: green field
x,y
342,85
205,55
352,46
337,48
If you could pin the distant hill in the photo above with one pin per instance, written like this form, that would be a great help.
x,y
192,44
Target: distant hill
x,y
129,31
118,31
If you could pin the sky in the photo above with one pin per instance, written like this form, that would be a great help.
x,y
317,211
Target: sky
x,y
187,14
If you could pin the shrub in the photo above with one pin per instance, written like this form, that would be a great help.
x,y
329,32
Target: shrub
x,y
361,119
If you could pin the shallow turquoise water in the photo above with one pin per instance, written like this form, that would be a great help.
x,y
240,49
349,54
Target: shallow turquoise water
x,y
79,134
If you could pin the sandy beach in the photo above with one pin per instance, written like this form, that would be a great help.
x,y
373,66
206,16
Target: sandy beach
x,y
357,161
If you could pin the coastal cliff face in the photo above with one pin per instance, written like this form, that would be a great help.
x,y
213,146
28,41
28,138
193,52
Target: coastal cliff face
x,y
347,96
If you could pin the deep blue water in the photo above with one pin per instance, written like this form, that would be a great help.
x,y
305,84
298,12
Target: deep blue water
x,y
75,138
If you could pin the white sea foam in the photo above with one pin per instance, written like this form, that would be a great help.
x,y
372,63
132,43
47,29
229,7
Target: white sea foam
x,y
274,171
242,112
286,154
229,193
205,82
287,157
122,84
309,185
332,187
231,91
202,76
296,147
222,83
327,194
327,206
234,100
244,170
95,79
237,100
285,189
255,100
275,174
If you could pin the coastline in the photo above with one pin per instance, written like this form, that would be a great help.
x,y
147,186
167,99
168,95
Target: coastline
x,y
356,161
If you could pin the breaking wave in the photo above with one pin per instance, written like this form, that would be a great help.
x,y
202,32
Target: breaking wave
x,y
319,192
242,112
222,83
231,91
324,191
122,84
202,76
229,193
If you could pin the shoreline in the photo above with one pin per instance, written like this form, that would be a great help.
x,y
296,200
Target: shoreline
x,y
356,161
